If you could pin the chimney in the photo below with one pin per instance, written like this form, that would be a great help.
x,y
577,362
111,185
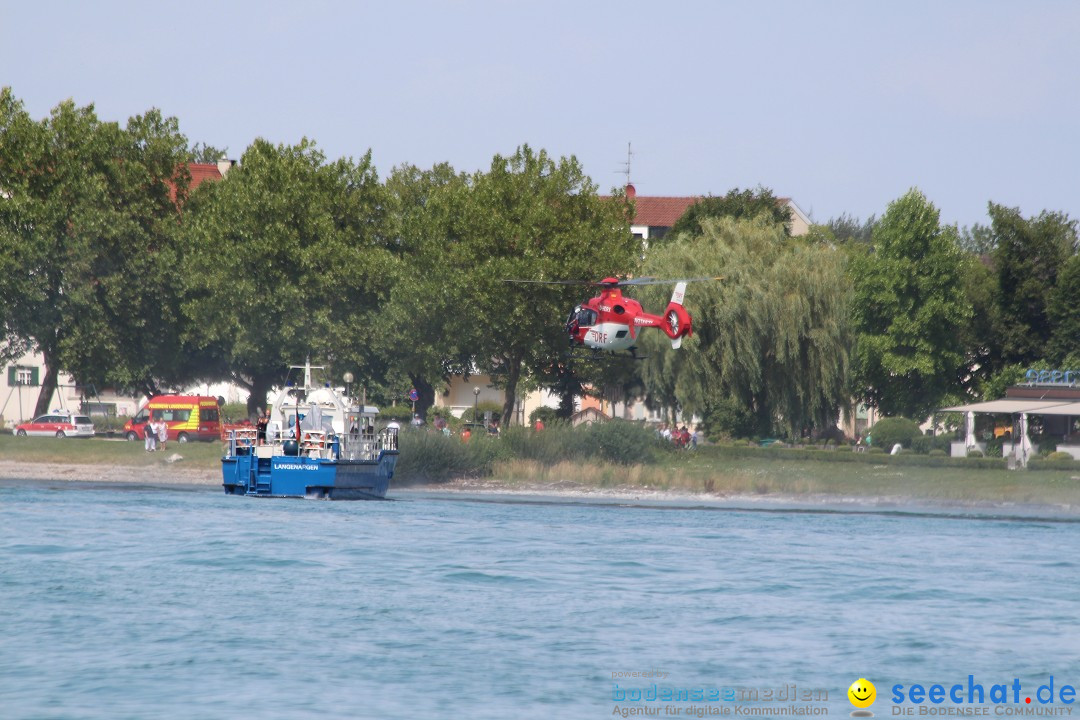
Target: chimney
x,y
631,191
224,165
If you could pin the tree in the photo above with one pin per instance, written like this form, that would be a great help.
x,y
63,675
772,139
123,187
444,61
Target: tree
x,y
849,229
426,213
288,260
88,229
1064,315
977,239
736,204
773,335
909,302
1028,255
203,153
530,217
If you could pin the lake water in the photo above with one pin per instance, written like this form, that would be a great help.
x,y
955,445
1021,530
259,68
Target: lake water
x,y
179,603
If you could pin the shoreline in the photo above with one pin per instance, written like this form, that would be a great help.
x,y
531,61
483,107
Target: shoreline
x,y
168,475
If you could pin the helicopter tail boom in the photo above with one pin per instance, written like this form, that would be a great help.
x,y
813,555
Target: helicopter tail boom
x,y
678,323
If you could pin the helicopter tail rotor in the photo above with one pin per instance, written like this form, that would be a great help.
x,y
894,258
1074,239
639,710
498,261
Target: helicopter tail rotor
x,y
678,324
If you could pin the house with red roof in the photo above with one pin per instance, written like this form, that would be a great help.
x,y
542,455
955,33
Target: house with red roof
x,y
654,215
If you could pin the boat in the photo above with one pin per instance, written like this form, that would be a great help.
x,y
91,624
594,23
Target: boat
x,y
319,444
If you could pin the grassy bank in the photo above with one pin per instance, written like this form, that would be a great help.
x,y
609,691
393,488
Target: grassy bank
x,y
709,471
100,451
515,461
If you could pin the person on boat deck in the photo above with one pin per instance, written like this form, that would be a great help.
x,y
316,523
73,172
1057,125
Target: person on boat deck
x,y
260,427
150,435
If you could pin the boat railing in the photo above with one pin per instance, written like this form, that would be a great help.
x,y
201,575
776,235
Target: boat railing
x,y
367,445
359,445
242,439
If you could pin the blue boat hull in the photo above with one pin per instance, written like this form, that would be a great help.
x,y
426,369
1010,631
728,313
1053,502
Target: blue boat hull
x,y
292,476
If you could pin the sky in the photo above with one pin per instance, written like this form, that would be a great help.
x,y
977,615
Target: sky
x,y
842,106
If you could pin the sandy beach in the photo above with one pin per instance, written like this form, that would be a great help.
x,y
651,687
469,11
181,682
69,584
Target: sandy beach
x,y
165,474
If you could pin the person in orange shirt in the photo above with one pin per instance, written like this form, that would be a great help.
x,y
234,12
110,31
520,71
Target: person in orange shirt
x,y
465,435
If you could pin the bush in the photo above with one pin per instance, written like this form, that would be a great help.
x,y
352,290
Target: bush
x,y
1047,443
728,418
433,457
493,407
938,452
922,444
975,453
544,413
234,412
396,412
1059,456
890,431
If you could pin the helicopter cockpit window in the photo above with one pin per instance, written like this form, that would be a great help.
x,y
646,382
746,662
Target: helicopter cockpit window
x,y
586,317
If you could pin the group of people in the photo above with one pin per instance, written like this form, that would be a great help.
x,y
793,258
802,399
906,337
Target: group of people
x,y
682,437
156,434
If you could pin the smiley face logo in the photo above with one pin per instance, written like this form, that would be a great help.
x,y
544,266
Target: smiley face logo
x,y
862,693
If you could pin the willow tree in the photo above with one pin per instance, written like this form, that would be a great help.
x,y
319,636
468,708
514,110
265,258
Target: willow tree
x,y
773,335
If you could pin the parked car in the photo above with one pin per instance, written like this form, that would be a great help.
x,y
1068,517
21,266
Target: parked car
x,y
57,425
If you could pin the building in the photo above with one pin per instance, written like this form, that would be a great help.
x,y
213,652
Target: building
x,y
654,216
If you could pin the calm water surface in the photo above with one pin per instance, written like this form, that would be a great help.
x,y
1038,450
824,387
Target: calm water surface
x,y
172,603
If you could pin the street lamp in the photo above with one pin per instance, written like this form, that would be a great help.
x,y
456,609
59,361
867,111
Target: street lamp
x,y
348,378
476,398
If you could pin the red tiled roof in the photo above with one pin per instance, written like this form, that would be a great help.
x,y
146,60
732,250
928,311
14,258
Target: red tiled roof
x,y
656,211
201,172
660,211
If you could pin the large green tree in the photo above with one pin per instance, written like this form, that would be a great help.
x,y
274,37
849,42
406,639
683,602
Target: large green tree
x,y
534,218
423,332
89,229
773,334
1028,254
1063,311
288,259
909,304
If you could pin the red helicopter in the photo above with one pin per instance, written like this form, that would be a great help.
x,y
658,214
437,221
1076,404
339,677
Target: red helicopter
x,y
612,321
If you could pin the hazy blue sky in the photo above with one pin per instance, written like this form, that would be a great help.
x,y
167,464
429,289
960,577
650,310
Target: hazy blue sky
x,y
841,105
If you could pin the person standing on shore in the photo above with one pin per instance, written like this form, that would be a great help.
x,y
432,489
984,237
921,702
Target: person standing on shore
x,y
150,435
162,433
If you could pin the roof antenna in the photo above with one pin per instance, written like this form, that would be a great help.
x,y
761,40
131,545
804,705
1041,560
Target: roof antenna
x,y
626,165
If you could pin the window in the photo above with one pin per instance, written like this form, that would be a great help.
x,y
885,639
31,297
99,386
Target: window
x,y
172,415
22,376
586,317
208,414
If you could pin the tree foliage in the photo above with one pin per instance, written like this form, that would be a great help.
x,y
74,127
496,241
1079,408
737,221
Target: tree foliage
x,y
89,231
1063,311
1028,255
288,260
908,305
736,204
773,335
533,218
426,216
